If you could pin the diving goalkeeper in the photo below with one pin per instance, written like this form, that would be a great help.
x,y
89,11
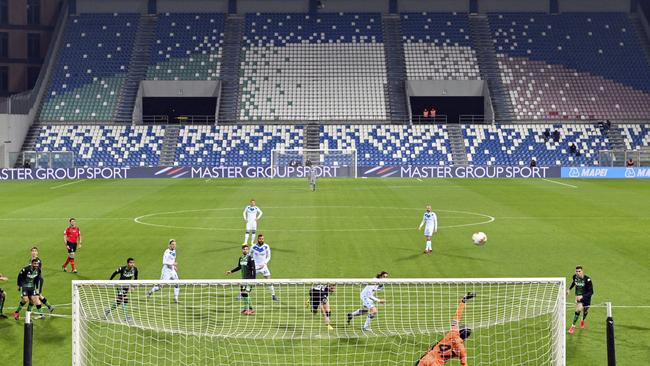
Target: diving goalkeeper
x,y
453,344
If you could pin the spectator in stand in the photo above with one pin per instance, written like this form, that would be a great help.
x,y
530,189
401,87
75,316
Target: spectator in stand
x,y
433,112
630,163
556,136
547,134
425,114
572,148
533,163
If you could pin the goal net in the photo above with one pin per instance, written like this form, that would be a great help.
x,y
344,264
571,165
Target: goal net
x,y
328,163
513,322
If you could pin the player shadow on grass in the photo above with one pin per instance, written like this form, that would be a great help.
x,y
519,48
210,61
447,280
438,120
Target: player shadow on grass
x,y
443,254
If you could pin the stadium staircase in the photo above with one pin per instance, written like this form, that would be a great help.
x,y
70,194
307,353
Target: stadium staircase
x,y
642,34
170,142
30,142
488,66
312,141
615,137
457,142
230,65
138,65
395,67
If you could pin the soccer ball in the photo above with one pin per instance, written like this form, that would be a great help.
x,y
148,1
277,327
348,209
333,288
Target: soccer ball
x,y
479,238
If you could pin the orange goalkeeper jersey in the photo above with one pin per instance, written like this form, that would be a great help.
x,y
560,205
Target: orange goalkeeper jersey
x,y
451,346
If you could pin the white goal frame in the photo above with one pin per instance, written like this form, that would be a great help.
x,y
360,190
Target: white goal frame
x,y
556,326
304,153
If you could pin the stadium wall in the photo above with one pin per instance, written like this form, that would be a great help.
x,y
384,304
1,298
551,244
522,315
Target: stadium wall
x,y
594,6
272,6
113,6
489,6
192,6
377,6
444,6
13,130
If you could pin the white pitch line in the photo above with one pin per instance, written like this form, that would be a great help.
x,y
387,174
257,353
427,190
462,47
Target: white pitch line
x,y
139,220
603,305
560,183
61,218
419,180
67,184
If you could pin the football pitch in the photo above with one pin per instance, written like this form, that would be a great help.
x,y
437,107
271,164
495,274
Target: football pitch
x,y
346,229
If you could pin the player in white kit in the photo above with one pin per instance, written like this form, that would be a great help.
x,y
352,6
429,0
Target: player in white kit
x,y
368,300
262,256
252,213
169,269
430,223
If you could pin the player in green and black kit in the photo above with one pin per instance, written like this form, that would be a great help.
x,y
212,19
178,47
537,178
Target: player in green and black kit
x,y
247,266
584,291
41,297
3,296
128,272
29,279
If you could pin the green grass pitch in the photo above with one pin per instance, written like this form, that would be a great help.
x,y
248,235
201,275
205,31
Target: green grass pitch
x,y
348,228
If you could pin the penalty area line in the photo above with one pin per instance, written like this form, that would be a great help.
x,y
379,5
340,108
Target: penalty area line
x,y
560,183
67,184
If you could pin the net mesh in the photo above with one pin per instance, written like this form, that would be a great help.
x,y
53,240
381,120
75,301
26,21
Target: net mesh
x,y
513,323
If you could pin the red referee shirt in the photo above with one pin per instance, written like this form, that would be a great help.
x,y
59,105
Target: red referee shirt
x,y
72,234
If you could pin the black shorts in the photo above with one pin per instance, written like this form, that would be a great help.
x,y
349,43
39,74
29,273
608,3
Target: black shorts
x,y
586,301
317,298
72,247
28,291
244,289
122,296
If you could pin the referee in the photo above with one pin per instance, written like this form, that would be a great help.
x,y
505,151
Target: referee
x,y
71,238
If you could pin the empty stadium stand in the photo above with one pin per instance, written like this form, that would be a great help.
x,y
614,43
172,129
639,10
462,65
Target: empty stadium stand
x,y
187,47
91,69
572,65
247,145
101,145
519,144
636,136
310,67
437,46
390,144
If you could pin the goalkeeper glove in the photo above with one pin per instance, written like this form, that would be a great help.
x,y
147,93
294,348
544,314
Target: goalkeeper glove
x,y
469,295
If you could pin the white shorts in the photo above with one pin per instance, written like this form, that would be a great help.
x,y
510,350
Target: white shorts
x,y
264,271
367,303
428,231
168,274
251,226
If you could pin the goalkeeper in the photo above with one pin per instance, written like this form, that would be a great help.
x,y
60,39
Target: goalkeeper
x,y
453,344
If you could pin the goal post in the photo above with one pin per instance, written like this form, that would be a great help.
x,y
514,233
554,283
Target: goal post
x,y
514,321
332,163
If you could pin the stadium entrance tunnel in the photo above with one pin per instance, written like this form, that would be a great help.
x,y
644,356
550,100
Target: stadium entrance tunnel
x,y
303,218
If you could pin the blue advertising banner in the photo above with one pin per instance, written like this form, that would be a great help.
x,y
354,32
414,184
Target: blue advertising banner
x,y
281,172
460,172
605,172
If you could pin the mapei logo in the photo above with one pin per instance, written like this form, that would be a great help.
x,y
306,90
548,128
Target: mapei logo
x,y
574,173
630,173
